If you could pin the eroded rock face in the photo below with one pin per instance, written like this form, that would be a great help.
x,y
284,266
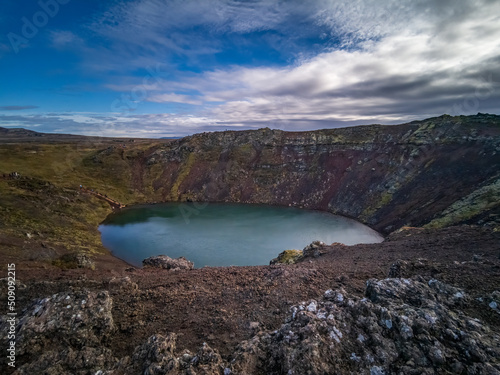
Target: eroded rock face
x,y
380,175
402,326
165,262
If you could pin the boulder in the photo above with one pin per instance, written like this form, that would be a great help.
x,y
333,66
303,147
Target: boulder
x,y
87,360
157,356
65,333
402,326
398,269
165,262
313,250
287,257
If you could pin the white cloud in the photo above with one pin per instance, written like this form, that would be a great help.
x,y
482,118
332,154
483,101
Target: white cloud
x,y
153,125
423,69
386,62
174,98
64,38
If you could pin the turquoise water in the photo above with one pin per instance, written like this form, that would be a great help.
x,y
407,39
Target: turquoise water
x,y
223,234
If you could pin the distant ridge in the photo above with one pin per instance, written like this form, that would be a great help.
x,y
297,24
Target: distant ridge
x,y
14,135
22,134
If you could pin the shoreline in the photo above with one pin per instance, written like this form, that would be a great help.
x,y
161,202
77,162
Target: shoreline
x,y
199,206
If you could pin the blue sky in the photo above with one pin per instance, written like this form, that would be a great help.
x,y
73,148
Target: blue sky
x,y
151,68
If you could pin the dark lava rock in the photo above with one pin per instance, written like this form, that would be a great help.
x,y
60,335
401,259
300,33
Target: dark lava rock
x,y
313,250
398,269
65,333
87,360
157,356
405,269
403,326
163,261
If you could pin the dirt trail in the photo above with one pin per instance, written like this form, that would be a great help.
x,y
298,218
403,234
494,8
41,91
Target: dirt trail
x,y
114,204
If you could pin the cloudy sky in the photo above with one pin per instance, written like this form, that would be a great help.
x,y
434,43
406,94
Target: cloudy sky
x,y
152,68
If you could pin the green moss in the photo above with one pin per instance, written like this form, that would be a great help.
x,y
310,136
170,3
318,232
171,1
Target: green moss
x,y
62,216
246,148
47,200
288,257
243,153
385,199
59,263
153,174
183,173
481,200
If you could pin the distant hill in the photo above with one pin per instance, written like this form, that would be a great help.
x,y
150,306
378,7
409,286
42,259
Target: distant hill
x,y
19,132
15,135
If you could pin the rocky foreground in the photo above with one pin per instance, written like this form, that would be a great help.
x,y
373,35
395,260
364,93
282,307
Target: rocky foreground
x,y
437,313
401,326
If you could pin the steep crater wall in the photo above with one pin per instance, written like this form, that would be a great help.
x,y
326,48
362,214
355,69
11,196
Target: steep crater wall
x,y
384,176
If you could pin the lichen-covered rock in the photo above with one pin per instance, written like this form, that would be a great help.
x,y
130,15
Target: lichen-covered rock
x,y
75,260
207,361
491,301
77,319
157,356
398,269
165,262
87,360
402,326
287,257
313,250
65,333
